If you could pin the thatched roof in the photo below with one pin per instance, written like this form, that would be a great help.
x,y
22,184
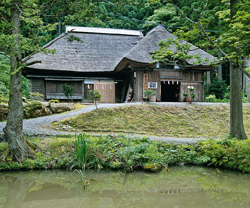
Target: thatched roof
x,y
142,52
100,51
106,50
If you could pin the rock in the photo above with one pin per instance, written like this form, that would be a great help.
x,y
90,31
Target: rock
x,y
61,107
2,105
66,128
152,167
25,104
36,113
45,111
46,104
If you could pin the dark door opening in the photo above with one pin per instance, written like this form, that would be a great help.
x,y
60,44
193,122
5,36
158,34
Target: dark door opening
x,y
170,91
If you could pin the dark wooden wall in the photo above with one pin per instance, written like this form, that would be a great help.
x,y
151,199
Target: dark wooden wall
x,y
195,80
153,76
87,88
37,85
185,79
54,89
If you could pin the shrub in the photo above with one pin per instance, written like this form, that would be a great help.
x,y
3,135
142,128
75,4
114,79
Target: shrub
x,y
95,96
68,91
149,93
211,98
218,88
36,96
53,101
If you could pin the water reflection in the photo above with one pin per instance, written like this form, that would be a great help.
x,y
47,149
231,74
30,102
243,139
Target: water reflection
x,y
188,187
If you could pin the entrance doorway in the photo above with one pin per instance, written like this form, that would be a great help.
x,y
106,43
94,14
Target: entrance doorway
x,y
170,91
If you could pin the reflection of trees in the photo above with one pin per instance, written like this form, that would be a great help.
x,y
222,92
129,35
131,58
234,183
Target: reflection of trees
x,y
17,190
226,188
192,187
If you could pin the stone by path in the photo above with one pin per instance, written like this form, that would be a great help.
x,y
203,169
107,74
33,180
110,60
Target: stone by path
x,y
35,126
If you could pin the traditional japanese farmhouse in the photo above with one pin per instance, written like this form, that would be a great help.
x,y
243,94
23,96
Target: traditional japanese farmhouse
x,y
116,62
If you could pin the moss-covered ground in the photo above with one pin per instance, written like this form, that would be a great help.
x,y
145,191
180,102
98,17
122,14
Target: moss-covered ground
x,y
173,121
129,154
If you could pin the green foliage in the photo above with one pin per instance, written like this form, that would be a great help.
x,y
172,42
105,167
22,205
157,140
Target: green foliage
x,y
29,110
3,147
53,101
95,96
81,152
149,93
166,15
36,96
227,153
211,98
218,88
5,80
193,95
68,91
121,152
185,94
26,87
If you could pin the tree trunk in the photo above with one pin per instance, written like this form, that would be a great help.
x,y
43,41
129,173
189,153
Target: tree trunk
x,y
236,112
14,128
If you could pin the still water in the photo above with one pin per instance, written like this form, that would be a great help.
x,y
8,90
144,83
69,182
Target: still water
x,y
180,187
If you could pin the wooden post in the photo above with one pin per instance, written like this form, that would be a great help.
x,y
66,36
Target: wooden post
x,y
208,79
220,72
82,92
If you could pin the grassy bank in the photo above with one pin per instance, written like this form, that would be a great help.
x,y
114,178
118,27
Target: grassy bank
x,y
188,121
130,154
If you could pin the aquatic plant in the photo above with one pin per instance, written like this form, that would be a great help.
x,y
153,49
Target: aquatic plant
x,y
82,176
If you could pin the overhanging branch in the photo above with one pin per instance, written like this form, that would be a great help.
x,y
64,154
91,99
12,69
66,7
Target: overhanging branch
x,y
33,62
244,71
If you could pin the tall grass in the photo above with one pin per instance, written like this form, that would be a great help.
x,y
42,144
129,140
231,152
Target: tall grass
x,y
81,152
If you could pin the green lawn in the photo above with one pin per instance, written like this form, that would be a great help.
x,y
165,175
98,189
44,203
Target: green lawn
x,y
188,121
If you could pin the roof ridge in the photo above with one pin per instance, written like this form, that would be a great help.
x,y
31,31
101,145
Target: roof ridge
x,y
159,26
100,30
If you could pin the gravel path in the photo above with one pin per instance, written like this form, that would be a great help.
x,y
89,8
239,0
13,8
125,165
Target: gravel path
x,y
34,126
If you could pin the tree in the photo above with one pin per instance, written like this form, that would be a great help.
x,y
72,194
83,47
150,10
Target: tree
x,y
95,96
22,33
25,26
68,91
231,40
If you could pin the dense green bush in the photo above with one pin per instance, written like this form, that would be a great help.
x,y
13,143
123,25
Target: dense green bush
x,y
218,88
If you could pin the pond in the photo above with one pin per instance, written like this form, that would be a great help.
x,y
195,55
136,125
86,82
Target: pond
x,y
188,187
